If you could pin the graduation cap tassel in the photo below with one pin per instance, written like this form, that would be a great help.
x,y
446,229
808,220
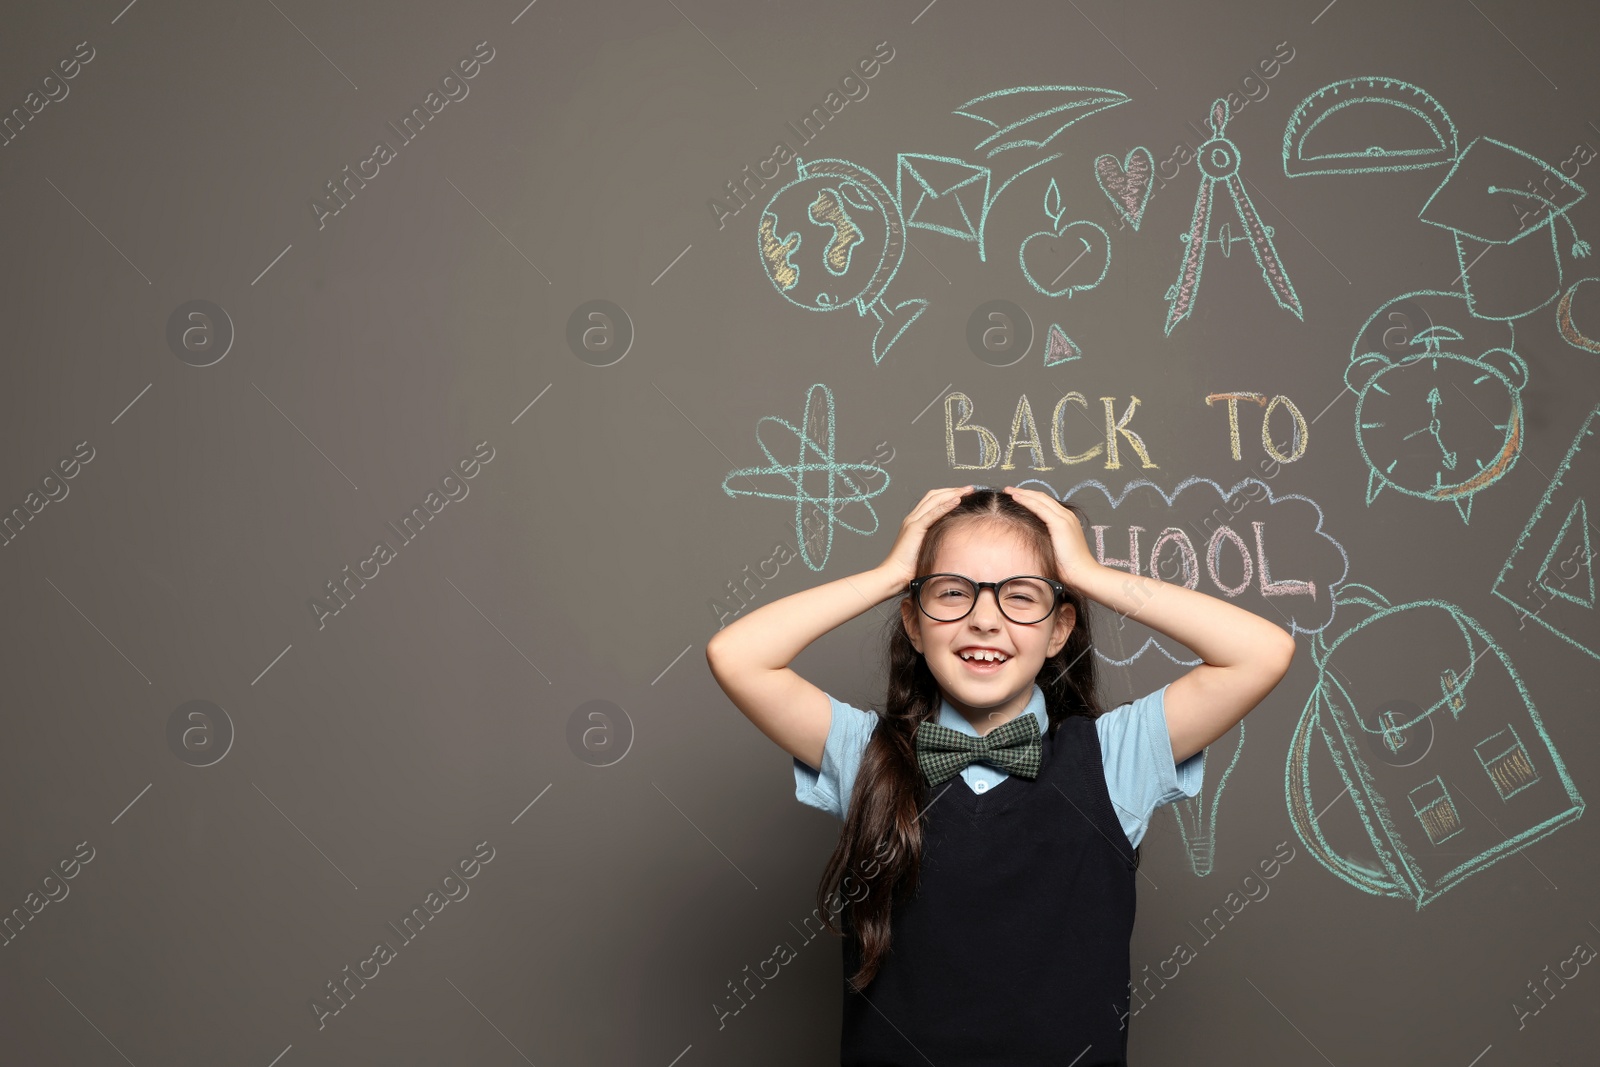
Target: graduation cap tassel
x,y
1580,247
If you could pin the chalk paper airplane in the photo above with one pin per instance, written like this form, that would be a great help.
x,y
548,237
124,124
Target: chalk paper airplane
x,y
1031,116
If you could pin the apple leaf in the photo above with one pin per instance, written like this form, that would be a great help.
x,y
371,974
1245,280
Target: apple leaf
x,y
1052,202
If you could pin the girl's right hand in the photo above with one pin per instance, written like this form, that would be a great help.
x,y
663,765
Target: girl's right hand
x,y
902,561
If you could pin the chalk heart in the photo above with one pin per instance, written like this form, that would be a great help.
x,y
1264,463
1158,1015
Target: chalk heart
x,y
1072,261
1127,184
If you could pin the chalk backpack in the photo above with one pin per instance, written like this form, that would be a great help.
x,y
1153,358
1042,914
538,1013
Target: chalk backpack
x,y
1437,741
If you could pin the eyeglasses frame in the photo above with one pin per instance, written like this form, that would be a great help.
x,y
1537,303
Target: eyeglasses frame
x,y
916,584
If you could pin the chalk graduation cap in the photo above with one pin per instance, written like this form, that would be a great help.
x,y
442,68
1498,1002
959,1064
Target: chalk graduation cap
x,y
1502,204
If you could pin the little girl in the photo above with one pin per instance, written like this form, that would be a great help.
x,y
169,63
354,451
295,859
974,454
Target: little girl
x,y
992,812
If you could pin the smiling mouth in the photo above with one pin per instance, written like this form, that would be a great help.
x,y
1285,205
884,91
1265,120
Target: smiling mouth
x,y
983,666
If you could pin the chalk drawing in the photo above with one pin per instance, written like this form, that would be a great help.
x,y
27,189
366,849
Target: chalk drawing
x,y
833,238
1059,348
1031,116
1435,422
815,460
1216,548
1489,751
1505,235
1505,760
1431,804
1219,162
1197,815
1569,330
1560,526
950,196
1056,251
828,210
1127,184
1429,138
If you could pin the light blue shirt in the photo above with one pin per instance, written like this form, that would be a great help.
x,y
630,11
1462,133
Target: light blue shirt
x,y
1135,750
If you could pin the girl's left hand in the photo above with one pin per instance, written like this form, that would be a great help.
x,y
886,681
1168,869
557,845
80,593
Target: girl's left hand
x,y
1066,533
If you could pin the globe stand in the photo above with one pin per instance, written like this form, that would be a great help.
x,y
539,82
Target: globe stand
x,y
892,322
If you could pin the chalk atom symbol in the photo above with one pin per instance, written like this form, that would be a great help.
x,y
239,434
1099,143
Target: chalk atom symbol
x,y
816,480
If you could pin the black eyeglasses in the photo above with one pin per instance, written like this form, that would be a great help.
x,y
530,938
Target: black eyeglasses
x,y
1025,599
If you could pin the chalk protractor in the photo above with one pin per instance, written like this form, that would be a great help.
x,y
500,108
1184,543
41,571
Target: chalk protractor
x,y
1367,125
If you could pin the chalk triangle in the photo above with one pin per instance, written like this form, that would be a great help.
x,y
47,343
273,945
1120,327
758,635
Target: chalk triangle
x,y
1555,587
1568,569
1058,347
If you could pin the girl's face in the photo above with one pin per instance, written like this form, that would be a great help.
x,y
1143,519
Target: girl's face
x,y
986,696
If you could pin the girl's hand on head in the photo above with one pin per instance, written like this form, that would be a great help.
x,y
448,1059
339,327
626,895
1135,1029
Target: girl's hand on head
x,y
1066,533
902,561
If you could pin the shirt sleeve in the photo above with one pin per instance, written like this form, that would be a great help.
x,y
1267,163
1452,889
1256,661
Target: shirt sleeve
x,y
1136,750
829,788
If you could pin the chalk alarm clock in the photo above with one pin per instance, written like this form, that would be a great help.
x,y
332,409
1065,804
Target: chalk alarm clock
x,y
1437,422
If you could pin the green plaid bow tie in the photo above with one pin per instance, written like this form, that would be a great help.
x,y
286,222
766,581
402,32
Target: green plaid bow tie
x,y
1013,748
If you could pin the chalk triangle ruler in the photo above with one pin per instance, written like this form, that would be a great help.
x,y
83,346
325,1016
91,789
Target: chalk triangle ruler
x,y
1549,575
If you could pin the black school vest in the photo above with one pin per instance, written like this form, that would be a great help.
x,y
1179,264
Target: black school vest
x,y
1014,950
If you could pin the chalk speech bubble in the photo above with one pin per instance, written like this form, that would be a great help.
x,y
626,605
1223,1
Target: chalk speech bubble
x,y
1267,553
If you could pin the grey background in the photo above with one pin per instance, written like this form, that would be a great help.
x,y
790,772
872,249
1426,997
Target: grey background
x,y
436,710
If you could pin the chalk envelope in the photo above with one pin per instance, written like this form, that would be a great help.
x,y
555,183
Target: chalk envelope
x,y
943,194
1502,207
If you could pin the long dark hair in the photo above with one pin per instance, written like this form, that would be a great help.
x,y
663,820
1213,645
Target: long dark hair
x,y
882,835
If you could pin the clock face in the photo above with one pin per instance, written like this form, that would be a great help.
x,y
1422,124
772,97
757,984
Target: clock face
x,y
1440,426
